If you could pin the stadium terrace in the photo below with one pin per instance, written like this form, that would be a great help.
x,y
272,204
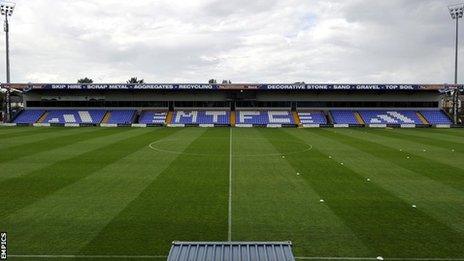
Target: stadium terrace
x,y
239,105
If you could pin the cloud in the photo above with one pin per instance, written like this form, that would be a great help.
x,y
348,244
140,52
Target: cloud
x,y
350,41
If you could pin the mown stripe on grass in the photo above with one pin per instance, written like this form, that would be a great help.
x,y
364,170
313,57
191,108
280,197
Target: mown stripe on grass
x,y
23,132
425,133
458,132
91,257
272,203
77,213
188,201
49,143
445,156
4,130
382,220
26,164
54,132
442,202
22,191
430,139
439,172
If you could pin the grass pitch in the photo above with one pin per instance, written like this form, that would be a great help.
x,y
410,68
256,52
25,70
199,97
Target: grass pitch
x,y
395,193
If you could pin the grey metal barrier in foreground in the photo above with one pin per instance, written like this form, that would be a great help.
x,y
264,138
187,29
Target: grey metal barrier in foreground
x,y
231,251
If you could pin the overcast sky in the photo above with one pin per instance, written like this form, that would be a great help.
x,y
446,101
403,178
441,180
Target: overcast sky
x,y
340,41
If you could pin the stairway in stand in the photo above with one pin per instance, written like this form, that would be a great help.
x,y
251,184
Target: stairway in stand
x,y
422,118
359,119
43,117
296,118
169,117
232,118
107,117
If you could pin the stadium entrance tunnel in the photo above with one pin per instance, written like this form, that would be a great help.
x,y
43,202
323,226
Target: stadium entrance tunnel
x,y
241,147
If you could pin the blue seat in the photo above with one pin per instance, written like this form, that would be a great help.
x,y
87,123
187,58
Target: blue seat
x,y
75,116
201,117
264,117
344,117
153,117
390,117
436,117
29,116
122,117
312,117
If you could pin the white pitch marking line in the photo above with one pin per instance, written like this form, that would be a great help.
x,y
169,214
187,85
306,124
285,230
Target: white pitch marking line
x,y
88,256
229,235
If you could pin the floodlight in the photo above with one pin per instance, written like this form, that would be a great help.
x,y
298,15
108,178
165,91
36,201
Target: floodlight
x,y
456,11
6,8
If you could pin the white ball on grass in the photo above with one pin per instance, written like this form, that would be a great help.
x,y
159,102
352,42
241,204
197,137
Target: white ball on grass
x,y
414,206
283,157
330,157
321,200
368,180
341,163
379,258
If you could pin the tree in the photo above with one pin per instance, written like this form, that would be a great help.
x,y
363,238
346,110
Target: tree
x,y
226,82
2,94
135,80
212,81
85,80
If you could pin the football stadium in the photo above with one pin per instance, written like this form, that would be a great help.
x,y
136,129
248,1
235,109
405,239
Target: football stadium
x,y
231,171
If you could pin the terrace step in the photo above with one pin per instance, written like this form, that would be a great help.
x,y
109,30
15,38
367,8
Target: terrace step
x,y
43,117
296,118
422,118
358,117
107,117
169,117
232,118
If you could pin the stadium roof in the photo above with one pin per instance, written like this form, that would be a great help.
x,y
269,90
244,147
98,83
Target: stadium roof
x,y
238,86
231,251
